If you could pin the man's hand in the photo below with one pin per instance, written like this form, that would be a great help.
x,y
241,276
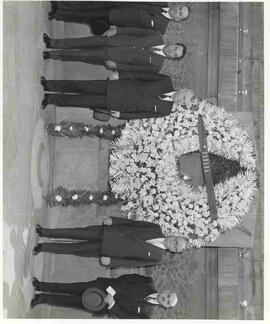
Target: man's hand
x,y
183,96
107,221
110,64
105,261
110,32
113,75
115,114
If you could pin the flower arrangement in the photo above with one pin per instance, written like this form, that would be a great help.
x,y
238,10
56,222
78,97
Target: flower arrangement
x,y
64,197
70,129
143,172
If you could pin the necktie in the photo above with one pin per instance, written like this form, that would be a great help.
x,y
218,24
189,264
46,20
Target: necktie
x,y
150,300
158,51
154,50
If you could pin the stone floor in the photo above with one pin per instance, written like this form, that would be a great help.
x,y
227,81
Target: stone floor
x,y
27,153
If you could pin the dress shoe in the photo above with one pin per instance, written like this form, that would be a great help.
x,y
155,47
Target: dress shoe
x,y
35,283
51,15
43,82
35,301
46,55
38,229
47,40
44,102
37,249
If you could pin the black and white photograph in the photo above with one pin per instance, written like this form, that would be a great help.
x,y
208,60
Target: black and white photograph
x,y
133,160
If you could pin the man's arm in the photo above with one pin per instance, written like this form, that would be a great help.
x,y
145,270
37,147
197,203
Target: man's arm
x,y
144,5
128,67
119,312
139,67
142,75
135,278
128,262
140,115
131,222
155,4
123,281
134,31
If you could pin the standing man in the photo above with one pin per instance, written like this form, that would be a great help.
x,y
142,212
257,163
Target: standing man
x,y
119,242
92,5
128,296
127,95
150,16
122,48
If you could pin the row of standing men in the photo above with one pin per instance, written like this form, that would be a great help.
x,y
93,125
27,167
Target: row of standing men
x,y
132,50
128,41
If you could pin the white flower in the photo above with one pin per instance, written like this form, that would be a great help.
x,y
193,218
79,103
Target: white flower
x,y
105,197
101,130
75,197
113,131
71,128
91,197
86,128
58,198
57,128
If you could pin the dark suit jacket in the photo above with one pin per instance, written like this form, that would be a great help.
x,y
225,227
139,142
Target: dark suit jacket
x,y
142,17
121,14
132,36
92,5
135,95
130,290
131,49
125,243
137,53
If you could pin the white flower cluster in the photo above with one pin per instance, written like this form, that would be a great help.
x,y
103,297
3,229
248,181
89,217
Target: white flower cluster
x,y
143,172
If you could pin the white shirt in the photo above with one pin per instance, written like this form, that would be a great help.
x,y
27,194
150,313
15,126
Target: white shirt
x,y
153,299
112,292
168,96
158,49
157,242
111,306
166,13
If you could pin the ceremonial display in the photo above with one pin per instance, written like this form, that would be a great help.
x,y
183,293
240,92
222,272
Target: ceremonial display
x,y
114,115
144,172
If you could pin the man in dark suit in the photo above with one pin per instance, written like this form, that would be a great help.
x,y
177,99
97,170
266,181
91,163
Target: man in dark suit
x,y
92,5
128,296
128,15
127,95
124,48
118,242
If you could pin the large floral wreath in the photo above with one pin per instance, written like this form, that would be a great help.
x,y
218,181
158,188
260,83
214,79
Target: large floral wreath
x,y
143,172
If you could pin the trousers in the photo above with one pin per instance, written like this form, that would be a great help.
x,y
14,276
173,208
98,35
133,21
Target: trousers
x,y
61,300
90,247
79,42
95,56
75,93
63,294
81,16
